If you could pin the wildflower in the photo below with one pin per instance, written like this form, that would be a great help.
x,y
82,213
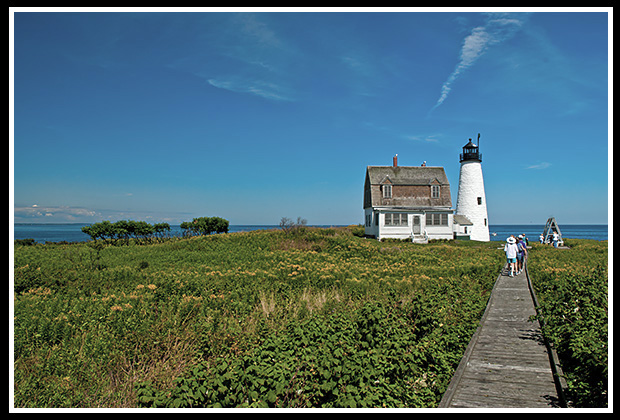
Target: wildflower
x,y
152,286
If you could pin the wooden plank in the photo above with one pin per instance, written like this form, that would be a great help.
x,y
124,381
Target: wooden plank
x,y
516,391
506,363
485,400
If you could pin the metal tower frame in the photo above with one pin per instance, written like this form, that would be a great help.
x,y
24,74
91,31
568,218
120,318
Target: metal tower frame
x,y
550,228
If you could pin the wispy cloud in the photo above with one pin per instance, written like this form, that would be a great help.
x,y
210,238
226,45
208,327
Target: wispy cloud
x,y
62,213
251,27
428,139
67,214
257,87
242,53
498,28
261,58
541,165
420,138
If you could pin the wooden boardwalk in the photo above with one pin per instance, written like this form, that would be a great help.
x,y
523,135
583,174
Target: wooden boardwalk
x,y
507,363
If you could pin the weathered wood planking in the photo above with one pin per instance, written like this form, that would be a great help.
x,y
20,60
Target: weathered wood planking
x,y
506,363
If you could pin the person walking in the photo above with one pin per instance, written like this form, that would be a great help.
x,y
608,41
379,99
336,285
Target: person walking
x,y
541,238
511,254
556,237
521,253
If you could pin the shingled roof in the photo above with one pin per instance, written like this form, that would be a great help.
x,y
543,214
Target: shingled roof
x,y
401,177
407,175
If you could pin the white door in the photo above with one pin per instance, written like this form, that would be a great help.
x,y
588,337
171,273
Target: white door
x,y
416,225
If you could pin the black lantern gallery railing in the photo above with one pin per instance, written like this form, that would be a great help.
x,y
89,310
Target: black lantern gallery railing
x,y
470,156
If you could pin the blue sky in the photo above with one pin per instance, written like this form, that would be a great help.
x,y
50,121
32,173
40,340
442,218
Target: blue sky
x,y
256,116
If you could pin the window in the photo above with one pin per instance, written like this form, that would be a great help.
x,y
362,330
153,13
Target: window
x,y
436,219
396,219
435,191
479,200
387,191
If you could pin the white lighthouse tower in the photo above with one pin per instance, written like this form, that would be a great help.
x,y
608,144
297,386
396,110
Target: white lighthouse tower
x,y
471,201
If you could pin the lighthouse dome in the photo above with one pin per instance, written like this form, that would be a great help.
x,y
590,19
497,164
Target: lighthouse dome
x,y
470,152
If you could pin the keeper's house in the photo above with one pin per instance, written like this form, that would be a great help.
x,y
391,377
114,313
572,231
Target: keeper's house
x,y
408,202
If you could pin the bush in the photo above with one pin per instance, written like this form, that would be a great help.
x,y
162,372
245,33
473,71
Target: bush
x,y
290,227
572,289
368,358
205,226
125,229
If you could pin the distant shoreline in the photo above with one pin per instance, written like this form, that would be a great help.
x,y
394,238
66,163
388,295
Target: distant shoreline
x,y
326,225
71,232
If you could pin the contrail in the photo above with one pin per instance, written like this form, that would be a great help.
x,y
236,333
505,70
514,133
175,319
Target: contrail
x,y
498,28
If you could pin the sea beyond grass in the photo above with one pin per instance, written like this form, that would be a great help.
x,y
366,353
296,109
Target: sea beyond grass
x,y
309,318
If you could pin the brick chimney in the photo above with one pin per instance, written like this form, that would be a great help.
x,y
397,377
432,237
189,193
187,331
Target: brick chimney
x,y
395,161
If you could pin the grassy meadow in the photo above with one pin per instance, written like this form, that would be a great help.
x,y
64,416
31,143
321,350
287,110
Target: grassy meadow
x,y
306,318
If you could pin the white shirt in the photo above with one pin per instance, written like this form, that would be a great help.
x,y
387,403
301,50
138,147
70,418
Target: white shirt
x,y
511,250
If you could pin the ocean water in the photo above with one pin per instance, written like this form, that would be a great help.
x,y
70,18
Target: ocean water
x,y
71,232
532,232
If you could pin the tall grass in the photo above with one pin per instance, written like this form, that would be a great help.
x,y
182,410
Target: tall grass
x,y
125,326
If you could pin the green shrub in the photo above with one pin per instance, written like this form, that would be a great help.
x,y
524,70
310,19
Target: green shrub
x,y
25,242
572,289
205,226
